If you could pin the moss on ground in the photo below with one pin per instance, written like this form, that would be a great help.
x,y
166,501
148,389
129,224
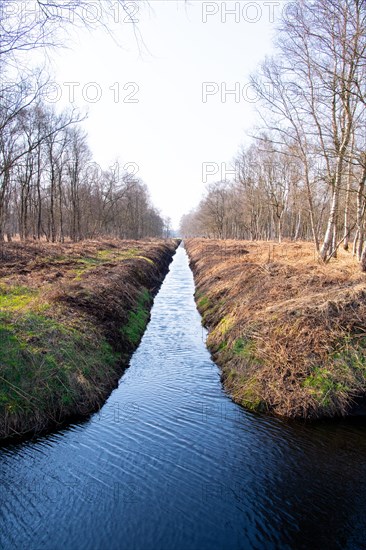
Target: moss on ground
x,y
244,348
223,326
45,363
343,373
203,303
15,297
138,319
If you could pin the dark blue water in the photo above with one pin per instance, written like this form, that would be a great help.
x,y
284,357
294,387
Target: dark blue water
x,y
171,463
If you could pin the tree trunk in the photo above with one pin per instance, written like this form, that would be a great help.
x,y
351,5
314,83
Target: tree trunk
x,y
326,249
346,209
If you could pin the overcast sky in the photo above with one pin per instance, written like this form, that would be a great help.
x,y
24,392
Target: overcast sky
x,y
147,103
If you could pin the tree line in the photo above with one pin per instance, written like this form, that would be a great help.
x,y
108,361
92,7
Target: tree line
x,y
304,174
50,187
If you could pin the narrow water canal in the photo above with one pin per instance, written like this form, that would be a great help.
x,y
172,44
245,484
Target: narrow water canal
x,y
170,463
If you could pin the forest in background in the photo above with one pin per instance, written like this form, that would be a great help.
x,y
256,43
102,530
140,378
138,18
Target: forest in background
x,y
50,186
303,176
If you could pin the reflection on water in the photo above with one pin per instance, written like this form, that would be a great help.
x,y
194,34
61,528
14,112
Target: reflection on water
x,y
171,463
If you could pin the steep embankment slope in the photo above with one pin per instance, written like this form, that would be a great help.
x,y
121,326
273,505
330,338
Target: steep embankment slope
x,y
288,332
70,317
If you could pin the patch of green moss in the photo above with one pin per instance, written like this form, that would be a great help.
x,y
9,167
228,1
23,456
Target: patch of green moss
x,y
244,348
344,372
114,253
224,326
324,384
222,346
203,303
44,363
138,319
15,297
248,395
253,403
205,307
351,355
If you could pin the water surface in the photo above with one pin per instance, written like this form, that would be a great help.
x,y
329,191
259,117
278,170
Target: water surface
x,y
171,463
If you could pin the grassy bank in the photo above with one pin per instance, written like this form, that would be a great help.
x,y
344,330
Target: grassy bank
x,y
288,332
70,317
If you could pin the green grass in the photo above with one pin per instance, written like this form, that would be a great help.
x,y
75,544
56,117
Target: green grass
x,y
344,372
15,297
44,363
245,391
205,307
244,348
250,400
244,387
138,319
223,326
324,384
223,346
351,353
56,359
203,303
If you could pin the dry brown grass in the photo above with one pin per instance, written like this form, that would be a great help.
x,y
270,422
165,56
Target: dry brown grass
x,y
288,332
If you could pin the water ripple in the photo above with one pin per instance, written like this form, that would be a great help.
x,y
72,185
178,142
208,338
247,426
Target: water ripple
x,y
170,462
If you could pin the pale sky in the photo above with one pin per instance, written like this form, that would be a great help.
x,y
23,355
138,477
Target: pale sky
x,y
169,131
